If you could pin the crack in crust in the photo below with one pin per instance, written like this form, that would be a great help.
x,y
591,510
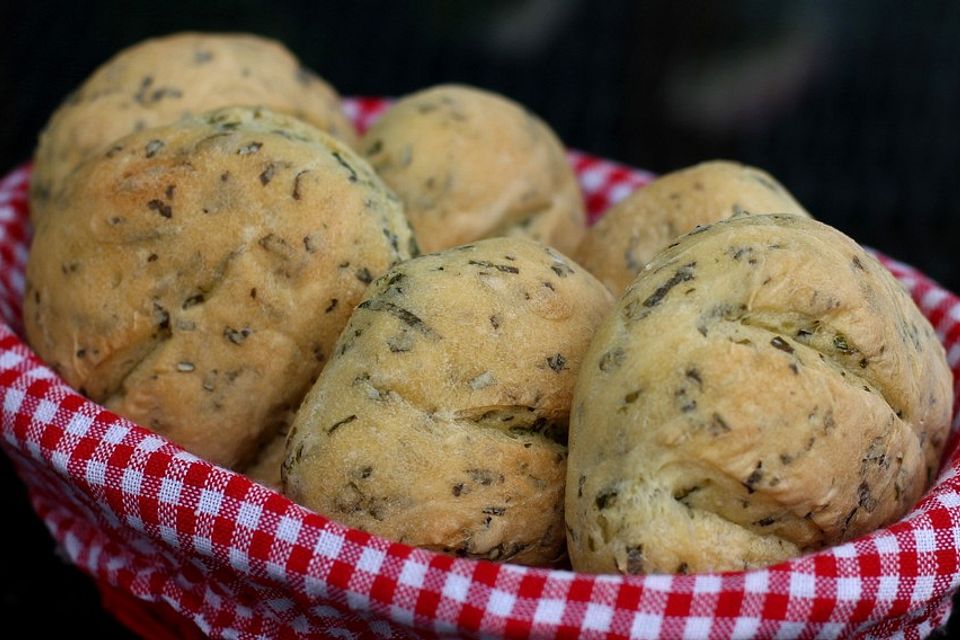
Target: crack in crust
x,y
208,289
806,346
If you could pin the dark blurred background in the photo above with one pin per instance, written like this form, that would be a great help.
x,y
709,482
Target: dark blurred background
x,y
853,105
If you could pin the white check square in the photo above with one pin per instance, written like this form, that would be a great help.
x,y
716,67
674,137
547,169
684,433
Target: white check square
x,y
708,584
45,411
412,574
357,601
598,617
592,179
328,544
315,587
926,540
169,491
288,529
370,560
745,627
549,611
13,398
168,535
249,515
456,587
849,588
889,586
659,582
802,585
756,582
203,545
115,434
131,481
922,588
277,571
953,356
401,615
887,544
932,298
96,473
950,499
790,630
150,444
645,626
239,560
8,360
697,627
209,501
79,425
501,603
619,192
60,461
325,611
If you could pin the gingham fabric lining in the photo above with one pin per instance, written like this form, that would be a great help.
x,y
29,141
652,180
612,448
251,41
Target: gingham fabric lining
x,y
142,515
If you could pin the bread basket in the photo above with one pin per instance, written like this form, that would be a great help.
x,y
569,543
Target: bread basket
x,y
179,546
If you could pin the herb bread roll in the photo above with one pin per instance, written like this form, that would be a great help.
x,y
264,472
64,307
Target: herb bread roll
x,y
441,417
763,389
157,81
472,164
195,278
617,247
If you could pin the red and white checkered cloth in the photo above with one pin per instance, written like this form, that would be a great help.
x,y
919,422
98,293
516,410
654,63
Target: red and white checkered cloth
x,y
149,520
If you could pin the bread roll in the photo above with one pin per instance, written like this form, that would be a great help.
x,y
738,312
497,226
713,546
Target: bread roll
x,y
763,389
159,80
441,418
472,164
617,247
195,278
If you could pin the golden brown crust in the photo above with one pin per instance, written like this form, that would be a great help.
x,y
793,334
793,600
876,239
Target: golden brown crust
x,y
196,278
472,164
617,247
439,421
763,389
160,80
